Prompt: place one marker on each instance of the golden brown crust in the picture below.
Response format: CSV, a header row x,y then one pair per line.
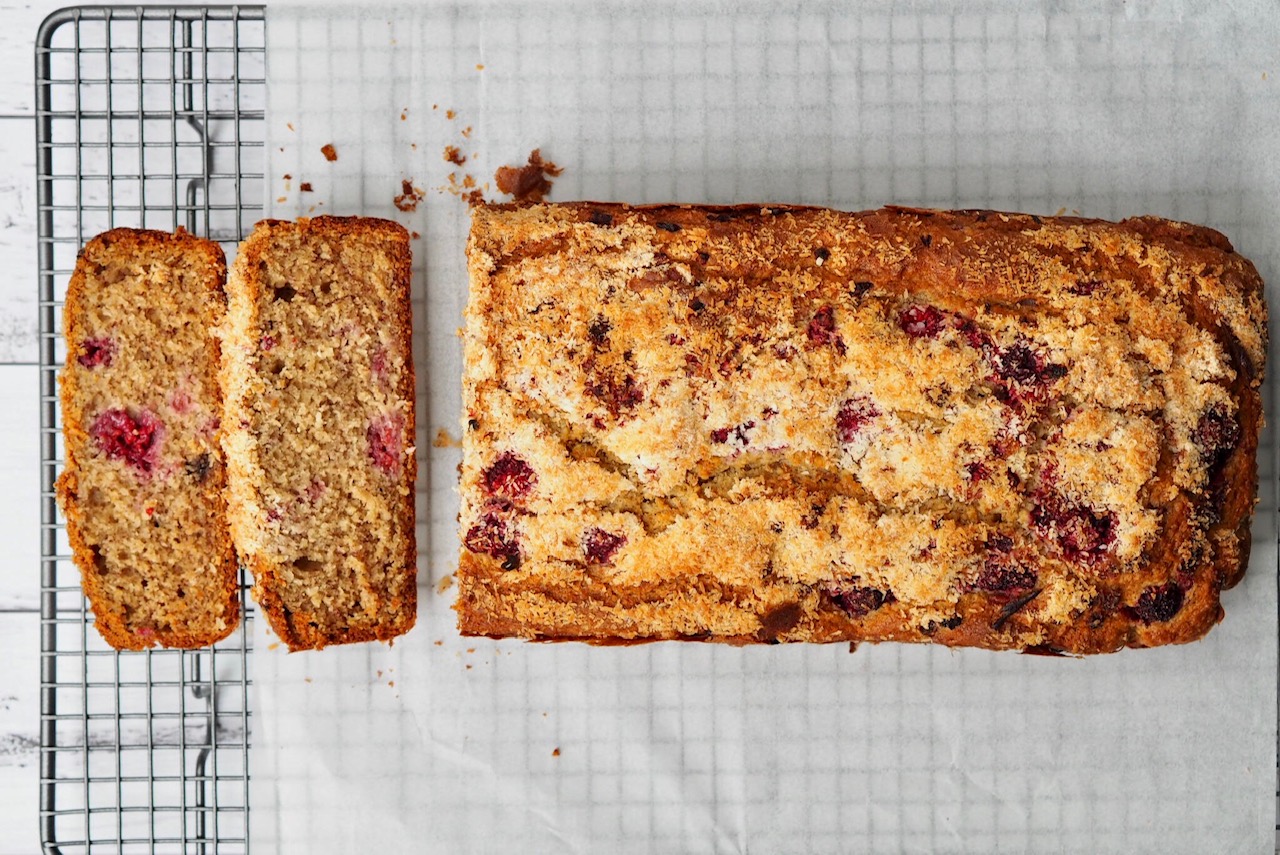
x,y
794,424
336,576
145,588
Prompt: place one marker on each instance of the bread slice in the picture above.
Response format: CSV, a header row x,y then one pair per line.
x,y
143,485
318,379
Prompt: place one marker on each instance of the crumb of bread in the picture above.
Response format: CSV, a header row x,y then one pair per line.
x,y
330,153
528,183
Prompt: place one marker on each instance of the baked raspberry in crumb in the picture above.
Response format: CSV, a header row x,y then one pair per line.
x,y
921,321
859,601
1080,533
96,352
386,442
1159,603
600,546
509,477
854,414
492,536
135,439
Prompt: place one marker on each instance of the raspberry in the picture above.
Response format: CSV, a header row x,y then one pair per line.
x,y
822,330
124,436
1019,363
977,471
854,414
96,351
921,321
492,536
738,433
858,601
386,443
1217,434
509,476
1159,603
600,545
997,575
1081,533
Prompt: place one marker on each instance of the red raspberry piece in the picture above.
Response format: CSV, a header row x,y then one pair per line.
x,y
822,330
1217,434
493,536
600,546
978,471
96,351
386,442
1081,533
738,433
921,321
510,476
1159,603
859,601
999,575
134,439
853,416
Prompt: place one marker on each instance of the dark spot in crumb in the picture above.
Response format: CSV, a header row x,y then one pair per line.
x,y
776,527
600,546
599,330
511,562
473,424
927,240
668,226
1159,603
1014,606
778,620
860,289
821,254
198,467
1084,288
998,575
285,294
1000,542
697,305
600,218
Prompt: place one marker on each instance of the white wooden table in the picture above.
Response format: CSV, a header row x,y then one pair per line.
x,y
19,421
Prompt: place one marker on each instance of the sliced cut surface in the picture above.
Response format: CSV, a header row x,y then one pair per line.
x,y
143,490
319,385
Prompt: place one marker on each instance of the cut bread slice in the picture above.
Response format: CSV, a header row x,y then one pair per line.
x,y
143,486
319,384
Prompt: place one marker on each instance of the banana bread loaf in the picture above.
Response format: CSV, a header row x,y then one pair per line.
x,y
765,424
319,385
142,489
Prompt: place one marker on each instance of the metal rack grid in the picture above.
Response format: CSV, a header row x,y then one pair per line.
x,y
147,117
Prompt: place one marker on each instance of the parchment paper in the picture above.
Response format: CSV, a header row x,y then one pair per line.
x,y
441,744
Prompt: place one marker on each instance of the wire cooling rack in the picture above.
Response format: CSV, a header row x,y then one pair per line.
x,y
146,117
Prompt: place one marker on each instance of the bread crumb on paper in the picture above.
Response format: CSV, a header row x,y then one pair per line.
x,y
330,153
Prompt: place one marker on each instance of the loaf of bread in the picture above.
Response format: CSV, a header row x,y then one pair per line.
x,y
768,424
319,385
143,485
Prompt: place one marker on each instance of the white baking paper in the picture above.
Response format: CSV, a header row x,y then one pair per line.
x,y
444,744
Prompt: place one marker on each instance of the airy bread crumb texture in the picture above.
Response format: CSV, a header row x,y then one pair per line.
x,y
794,424
319,386
143,486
